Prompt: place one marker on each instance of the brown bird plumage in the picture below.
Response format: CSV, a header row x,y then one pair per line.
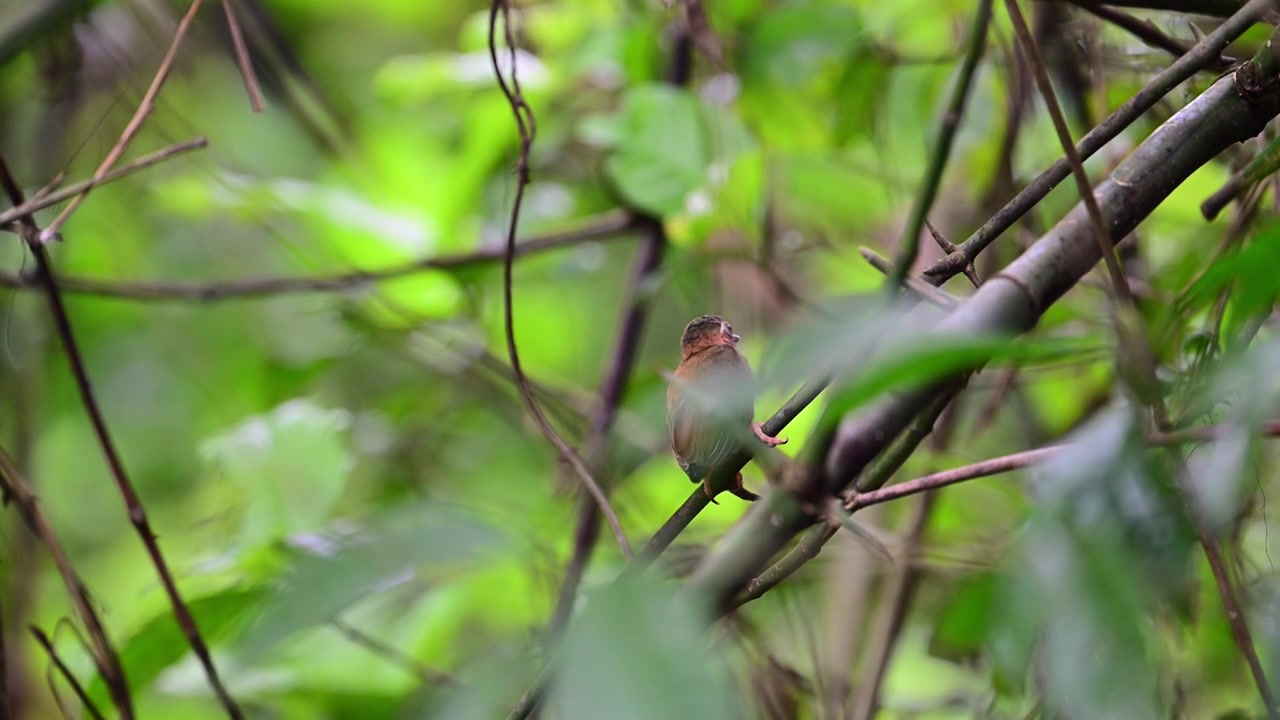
x,y
711,401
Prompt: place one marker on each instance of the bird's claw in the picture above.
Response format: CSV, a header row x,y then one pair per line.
x,y
706,486
767,440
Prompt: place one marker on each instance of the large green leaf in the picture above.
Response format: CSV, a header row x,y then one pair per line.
x,y
291,465
636,653
426,543
663,156
159,643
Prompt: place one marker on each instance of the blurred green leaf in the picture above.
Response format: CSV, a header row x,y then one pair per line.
x,y
915,364
636,652
664,156
291,465
159,643
962,626
1082,583
331,574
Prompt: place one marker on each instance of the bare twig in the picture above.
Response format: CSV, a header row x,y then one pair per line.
x,y
428,675
1016,461
105,659
897,595
1147,32
680,520
949,247
40,201
135,123
1041,75
622,360
921,289
67,675
909,245
1184,67
132,502
242,58
527,127
1134,342
606,227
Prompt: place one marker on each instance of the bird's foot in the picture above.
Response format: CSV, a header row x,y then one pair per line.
x,y
706,485
770,441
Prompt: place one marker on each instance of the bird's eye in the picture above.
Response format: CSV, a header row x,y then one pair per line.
x,y
728,328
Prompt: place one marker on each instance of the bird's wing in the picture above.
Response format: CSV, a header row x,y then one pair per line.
x,y
707,408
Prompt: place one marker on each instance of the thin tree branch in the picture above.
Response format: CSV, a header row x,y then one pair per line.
x,y
1006,304
898,593
608,226
1183,68
132,502
909,245
242,58
67,675
41,201
135,123
922,290
680,520
527,127
818,536
1214,8
1041,75
427,675
1147,32
949,247
622,360
105,659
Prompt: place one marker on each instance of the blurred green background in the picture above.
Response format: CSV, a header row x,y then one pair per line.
x,y
361,515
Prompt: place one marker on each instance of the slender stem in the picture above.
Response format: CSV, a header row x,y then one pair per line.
x,y
1147,32
132,501
1205,52
14,487
40,202
526,124
609,226
944,137
66,673
135,123
647,264
243,61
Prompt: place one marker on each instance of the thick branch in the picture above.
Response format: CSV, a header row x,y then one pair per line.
x,y
1201,55
1008,303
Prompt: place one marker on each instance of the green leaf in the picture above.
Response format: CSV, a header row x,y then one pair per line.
x,y
663,156
291,464
1250,273
159,643
637,653
794,44
917,363
425,542
965,620
1102,547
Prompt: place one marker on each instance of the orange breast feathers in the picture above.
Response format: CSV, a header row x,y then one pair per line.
x,y
709,406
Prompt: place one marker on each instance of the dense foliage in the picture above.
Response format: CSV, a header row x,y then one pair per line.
x,y
297,339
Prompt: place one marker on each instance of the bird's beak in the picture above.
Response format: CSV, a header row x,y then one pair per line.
x,y
735,338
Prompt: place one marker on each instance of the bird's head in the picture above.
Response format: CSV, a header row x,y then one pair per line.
x,y
704,331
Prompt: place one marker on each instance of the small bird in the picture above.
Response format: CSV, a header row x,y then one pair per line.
x,y
711,400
